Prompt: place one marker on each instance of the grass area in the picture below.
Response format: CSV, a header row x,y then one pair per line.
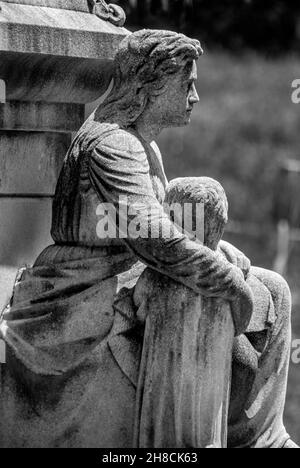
x,y
245,125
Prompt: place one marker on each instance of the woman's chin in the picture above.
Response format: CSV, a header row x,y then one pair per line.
x,y
188,119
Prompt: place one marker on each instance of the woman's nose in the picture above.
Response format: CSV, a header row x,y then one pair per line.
x,y
194,97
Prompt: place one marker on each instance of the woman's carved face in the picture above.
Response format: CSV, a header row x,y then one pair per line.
x,y
174,107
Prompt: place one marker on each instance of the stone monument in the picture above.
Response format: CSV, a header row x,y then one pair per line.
x,y
132,339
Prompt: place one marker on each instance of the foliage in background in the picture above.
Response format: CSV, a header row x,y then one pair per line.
x,y
243,128
272,26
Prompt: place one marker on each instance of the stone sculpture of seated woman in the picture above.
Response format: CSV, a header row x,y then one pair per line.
x,y
76,365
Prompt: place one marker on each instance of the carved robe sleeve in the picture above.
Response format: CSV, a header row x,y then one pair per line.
x,y
119,167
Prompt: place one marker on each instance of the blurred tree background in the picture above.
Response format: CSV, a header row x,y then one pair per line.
x,y
272,26
246,126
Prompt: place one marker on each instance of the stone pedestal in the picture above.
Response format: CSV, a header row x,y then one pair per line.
x,y
55,57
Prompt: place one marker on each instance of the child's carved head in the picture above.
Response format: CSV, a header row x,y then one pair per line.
x,y
209,193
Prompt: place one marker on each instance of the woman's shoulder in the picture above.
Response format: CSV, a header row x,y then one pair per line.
x,y
109,137
121,140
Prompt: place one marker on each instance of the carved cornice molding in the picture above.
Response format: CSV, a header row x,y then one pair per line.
x,y
107,12
57,50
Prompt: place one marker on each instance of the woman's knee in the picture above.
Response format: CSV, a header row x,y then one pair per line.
x,y
279,289
275,283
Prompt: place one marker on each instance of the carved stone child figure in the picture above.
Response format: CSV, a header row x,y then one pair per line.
x,y
185,374
181,371
210,193
193,191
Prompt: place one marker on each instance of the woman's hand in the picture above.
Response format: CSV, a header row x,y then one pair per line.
x,y
235,257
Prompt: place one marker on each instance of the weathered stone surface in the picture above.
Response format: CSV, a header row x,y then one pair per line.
x,y
38,30
30,162
41,117
53,55
52,79
127,341
80,233
64,55
23,231
111,12
76,5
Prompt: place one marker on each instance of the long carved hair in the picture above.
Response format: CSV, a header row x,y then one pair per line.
x,y
143,65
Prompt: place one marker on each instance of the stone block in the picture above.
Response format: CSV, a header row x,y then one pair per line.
x,y
41,117
76,5
40,30
24,229
65,54
30,162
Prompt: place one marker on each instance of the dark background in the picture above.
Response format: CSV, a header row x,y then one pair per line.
x,y
246,127
269,26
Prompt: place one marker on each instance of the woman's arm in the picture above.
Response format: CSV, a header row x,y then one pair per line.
x,y
235,257
119,167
